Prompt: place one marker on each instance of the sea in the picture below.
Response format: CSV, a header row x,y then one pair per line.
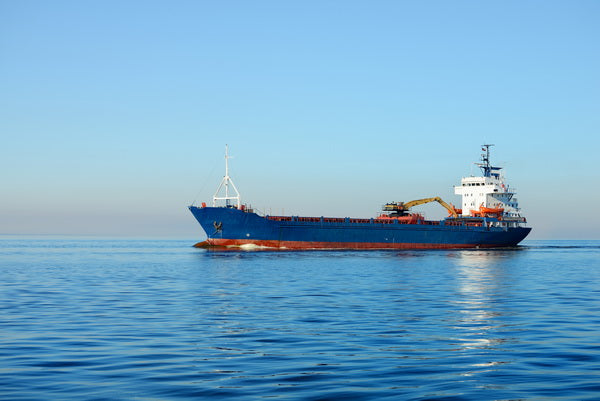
x,y
148,319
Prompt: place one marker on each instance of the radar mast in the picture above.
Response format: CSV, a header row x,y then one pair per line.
x,y
485,161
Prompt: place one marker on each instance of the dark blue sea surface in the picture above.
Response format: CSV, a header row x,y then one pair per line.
x,y
98,319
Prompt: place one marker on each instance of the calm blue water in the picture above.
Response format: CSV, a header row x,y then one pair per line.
x,y
160,320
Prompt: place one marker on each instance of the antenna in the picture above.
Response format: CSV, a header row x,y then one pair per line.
x,y
225,182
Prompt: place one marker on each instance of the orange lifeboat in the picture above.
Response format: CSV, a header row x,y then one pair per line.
x,y
491,210
487,211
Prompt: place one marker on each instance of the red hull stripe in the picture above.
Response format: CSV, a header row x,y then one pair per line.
x,y
228,243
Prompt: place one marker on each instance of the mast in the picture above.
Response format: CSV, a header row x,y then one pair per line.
x,y
226,182
485,158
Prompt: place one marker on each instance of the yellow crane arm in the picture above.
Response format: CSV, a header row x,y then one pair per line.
x,y
408,205
448,207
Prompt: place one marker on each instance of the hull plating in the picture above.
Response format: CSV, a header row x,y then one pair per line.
x,y
232,227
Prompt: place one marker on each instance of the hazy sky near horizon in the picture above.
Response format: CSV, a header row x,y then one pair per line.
x,y
114,115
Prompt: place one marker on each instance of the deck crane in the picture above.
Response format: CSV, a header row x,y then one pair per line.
x,y
401,208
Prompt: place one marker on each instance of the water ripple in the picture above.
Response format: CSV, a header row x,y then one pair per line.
x,y
159,320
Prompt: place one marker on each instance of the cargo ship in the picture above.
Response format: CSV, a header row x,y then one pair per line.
x,y
489,217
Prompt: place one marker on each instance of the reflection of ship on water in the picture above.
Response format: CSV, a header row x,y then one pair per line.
x,y
479,273
483,257
482,284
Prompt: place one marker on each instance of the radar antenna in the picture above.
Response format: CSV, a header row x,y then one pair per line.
x,y
225,182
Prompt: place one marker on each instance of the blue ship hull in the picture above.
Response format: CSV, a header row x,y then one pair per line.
x,y
231,227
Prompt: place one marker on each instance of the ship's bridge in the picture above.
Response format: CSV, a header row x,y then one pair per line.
x,y
488,191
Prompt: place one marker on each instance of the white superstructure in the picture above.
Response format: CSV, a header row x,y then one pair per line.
x,y
489,191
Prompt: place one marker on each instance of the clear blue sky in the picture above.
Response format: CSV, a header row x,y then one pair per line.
x,y
114,114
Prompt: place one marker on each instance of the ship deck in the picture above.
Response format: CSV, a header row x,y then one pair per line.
x,y
460,221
